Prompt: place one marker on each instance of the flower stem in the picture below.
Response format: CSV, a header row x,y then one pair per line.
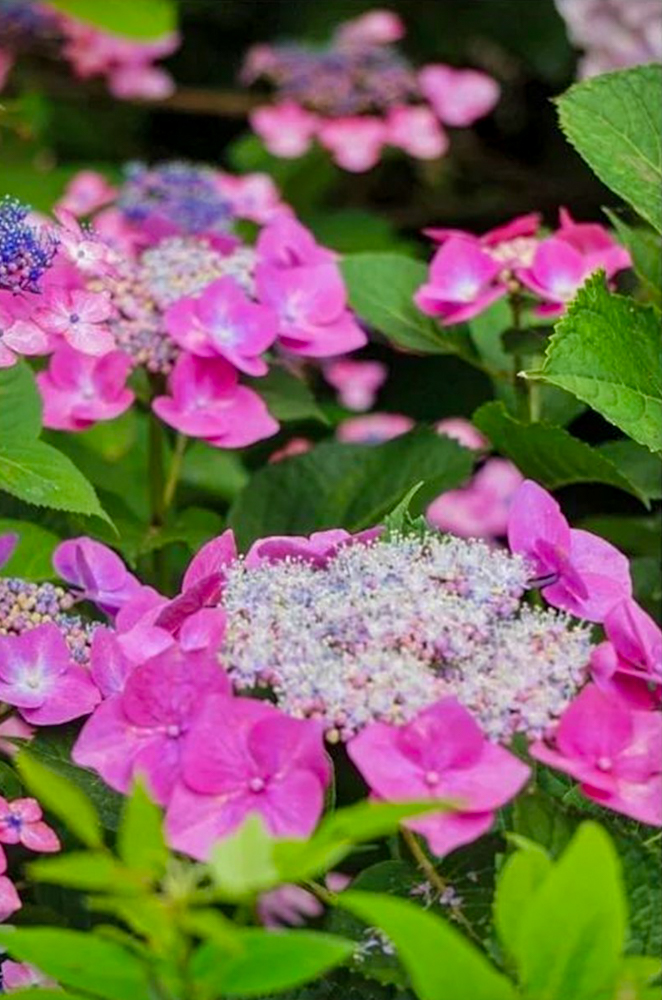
x,y
170,488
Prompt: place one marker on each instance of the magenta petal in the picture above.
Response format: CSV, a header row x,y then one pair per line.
x,y
604,572
8,543
216,758
292,805
73,695
640,801
211,558
446,832
9,898
535,516
38,836
109,666
195,822
108,743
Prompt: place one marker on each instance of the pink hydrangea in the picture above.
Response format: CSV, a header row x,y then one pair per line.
x,y
286,129
612,751
375,27
243,756
373,428
357,382
86,192
459,96
206,401
285,243
80,317
97,572
17,975
577,570
287,906
8,543
223,321
18,336
462,282
356,142
295,446
79,389
629,663
417,131
316,549
109,665
462,431
13,730
142,729
480,509
21,822
443,754
252,196
9,899
39,677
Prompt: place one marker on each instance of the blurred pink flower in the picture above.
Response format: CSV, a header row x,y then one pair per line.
x,y
86,192
612,751
577,571
97,572
12,729
357,382
141,730
80,317
441,753
109,666
480,509
9,899
287,906
286,129
295,446
376,27
21,822
224,321
19,336
520,226
316,549
417,130
7,59
462,431
285,243
77,389
205,401
143,82
373,428
355,143
462,282
252,196
16,975
243,756
458,96
629,664
39,677
8,542
82,248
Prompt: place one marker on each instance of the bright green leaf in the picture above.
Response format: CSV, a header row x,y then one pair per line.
x,y
441,963
519,879
270,962
346,485
607,351
32,558
80,960
287,396
615,122
242,864
62,798
140,839
381,289
572,932
548,454
140,19
40,475
221,473
20,404
88,870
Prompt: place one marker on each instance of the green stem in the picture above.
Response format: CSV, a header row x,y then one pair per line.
x,y
174,472
520,385
156,475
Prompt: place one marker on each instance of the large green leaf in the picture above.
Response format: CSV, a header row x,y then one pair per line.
x,y
242,864
269,963
615,122
646,252
607,351
550,455
287,397
441,963
32,558
141,19
572,932
40,475
342,485
519,879
20,404
140,838
80,960
381,290
637,464
213,470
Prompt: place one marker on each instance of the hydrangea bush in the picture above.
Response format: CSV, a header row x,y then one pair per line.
x,y
302,697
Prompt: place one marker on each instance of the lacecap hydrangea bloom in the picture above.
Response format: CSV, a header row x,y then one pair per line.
x,y
158,279
359,94
614,34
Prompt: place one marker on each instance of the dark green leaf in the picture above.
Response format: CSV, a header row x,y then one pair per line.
x,y
287,397
646,252
221,473
615,122
20,404
40,475
637,464
607,351
350,486
548,454
639,536
61,797
140,19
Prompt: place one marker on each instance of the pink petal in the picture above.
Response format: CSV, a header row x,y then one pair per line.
x,y
446,832
74,694
39,837
213,557
9,899
459,97
604,572
534,517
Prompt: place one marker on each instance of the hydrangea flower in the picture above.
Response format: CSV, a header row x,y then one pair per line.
x,y
462,431
373,428
80,317
577,570
629,664
17,975
480,509
441,753
85,193
21,822
19,336
26,251
612,751
359,94
462,283
613,33
244,756
78,389
8,543
357,382
97,572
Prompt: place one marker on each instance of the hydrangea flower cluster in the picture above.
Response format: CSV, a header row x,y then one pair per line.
x,y
468,272
613,33
163,282
359,94
126,64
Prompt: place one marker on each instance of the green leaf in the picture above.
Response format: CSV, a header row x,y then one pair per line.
x,y
548,454
45,993
615,122
287,397
32,558
637,464
79,960
62,798
637,536
141,19
606,350
381,289
220,473
269,963
441,963
140,839
87,870
520,877
400,522
242,864
646,252
343,485
20,404
40,475
571,936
